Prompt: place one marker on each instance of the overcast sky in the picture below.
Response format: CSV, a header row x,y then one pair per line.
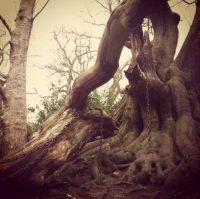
x,y
71,15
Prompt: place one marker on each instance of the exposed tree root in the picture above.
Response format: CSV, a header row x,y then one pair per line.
x,y
153,140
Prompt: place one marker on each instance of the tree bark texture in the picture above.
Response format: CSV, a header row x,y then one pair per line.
x,y
154,138
15,114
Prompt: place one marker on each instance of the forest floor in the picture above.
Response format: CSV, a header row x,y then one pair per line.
x,y
111,188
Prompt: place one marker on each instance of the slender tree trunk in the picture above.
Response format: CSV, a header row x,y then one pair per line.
x,y
15,115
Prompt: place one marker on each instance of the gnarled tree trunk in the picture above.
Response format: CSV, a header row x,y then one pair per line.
x,y
156,138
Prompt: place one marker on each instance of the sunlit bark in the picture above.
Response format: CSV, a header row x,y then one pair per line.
x,y
15,113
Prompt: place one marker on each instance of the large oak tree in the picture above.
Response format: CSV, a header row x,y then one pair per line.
x,y
153,136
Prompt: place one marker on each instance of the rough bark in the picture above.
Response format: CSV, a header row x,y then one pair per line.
x,y
15,121
156,140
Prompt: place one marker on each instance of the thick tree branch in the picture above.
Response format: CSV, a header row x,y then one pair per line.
x,y
115,35
143,121
41,9
4,22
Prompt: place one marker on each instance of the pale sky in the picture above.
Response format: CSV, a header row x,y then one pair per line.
x,y
70,14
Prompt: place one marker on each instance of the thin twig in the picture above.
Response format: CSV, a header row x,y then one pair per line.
x,y
110,6
70,64
41,9
82,35
102,5
6,44
2,52
92,20
189,3
176,4
4,22
94,23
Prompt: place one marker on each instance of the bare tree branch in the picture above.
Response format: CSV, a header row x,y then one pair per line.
x,y
41,9
107,7
110,6
189,3
2,52
82,35
93,23
65,54
92,20
71,63
4,22
103,6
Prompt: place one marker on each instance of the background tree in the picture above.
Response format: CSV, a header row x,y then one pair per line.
x,y
74,56
14,94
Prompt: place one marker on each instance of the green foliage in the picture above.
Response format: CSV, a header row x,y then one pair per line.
x,y
72,59
54,101
104,101
50,104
